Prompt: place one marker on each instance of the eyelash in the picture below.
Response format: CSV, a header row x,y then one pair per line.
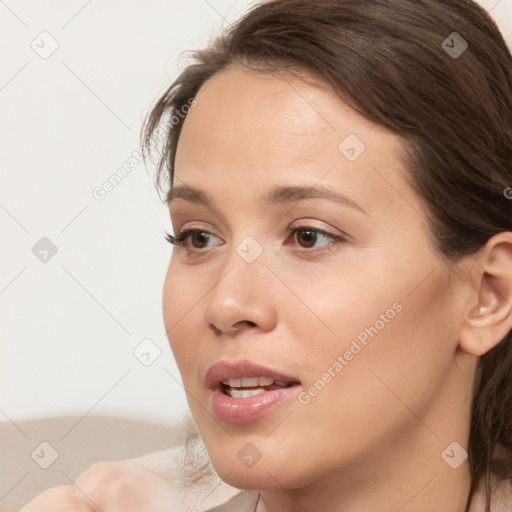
x,y
182,238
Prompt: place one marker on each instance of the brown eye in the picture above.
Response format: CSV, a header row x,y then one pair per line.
x,y
307,238
199,239
191,239
313,241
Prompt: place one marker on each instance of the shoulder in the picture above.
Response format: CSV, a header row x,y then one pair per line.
x,y
501,496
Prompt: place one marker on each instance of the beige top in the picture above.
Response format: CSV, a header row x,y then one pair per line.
x,y
501,497
243,501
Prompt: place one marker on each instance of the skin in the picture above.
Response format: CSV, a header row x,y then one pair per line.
x,y
372,438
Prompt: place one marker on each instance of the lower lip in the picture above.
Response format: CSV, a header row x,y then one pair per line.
x,y
243,410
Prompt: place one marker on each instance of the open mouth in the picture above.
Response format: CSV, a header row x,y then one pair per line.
x,y
244,391
244,387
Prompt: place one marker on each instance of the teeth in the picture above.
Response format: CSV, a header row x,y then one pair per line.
x,y
243,387
248,382
238,393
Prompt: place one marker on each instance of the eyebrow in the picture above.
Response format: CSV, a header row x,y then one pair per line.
x,y
278,195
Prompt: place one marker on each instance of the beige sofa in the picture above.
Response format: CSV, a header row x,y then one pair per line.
x,y
41,453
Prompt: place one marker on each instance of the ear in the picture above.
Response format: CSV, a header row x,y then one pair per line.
x,y
488,321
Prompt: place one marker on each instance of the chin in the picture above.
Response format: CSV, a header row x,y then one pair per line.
x,y
265,474
256,480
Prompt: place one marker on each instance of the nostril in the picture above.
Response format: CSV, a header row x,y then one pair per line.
x,y
237,326
215,330
245,322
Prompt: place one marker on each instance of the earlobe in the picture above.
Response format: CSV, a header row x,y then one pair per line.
x,y
489,320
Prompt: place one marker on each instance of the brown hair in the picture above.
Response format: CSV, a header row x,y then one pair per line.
x,y
391,61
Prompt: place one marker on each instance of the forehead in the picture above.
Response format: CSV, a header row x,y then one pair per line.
x,y
250,128
299,118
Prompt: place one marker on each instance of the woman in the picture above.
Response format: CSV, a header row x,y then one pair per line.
x,y
339,299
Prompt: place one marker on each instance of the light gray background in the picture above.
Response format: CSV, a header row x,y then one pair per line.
x,y
69,326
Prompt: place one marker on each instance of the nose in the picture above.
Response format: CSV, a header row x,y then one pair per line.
x,y
241,298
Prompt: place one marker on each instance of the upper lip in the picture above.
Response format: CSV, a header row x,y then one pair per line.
x,y
224,370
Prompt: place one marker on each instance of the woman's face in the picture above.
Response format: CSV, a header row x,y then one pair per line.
x,y
354,314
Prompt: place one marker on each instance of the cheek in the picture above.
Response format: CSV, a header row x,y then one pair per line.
x,y
334,309
396,348
180,302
